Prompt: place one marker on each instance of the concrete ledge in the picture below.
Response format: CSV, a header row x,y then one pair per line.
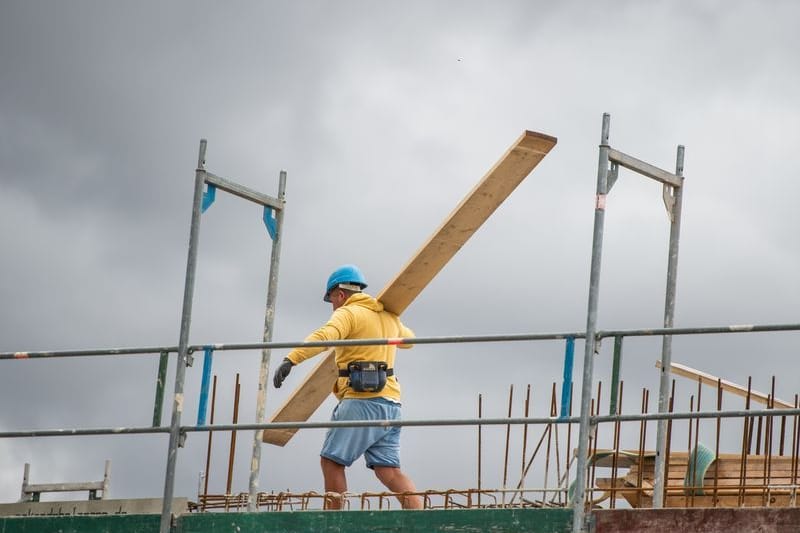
x,y
697,520
139,506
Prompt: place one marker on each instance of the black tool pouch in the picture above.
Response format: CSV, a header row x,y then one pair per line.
x,y
367,376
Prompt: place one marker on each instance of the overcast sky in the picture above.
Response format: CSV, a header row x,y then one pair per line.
x,y
384,115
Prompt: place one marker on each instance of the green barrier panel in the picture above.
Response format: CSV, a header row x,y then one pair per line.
x,y
81,524
451,521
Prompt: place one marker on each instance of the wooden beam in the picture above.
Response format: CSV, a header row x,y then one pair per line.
x,y
466,218
520,159
739,390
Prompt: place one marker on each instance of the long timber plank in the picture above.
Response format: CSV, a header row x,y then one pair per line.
x,y
728,386
478,205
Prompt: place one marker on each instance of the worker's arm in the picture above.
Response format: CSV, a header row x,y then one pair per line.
x,y
406,333
337,328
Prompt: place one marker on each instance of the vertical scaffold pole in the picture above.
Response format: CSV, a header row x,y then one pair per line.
x,y
579,510
673,203
269,320
183,343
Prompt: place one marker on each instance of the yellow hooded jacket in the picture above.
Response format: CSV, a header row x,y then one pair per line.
x,y
361,317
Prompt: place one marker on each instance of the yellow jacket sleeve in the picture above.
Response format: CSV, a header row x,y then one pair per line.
x,y
406,333
337,328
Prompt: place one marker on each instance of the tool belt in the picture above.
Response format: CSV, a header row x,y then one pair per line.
x,y
366,376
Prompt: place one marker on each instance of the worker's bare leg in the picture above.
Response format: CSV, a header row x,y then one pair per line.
x,y
396,481
335,481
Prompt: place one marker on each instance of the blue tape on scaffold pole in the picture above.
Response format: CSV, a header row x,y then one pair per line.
x,y
208,197
269,222
208,359
566,385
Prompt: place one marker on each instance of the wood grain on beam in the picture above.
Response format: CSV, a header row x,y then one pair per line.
x,y
713,381
520,159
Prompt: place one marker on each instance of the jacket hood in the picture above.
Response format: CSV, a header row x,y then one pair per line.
x,y
363,299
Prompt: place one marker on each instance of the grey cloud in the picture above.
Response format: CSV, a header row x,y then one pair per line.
x,y
384,117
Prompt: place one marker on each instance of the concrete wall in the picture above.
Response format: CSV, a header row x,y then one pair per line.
x,y
748,520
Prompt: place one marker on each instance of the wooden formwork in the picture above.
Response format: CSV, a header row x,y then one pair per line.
x,y
729,480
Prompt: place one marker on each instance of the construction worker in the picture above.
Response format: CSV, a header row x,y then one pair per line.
x,y
367,388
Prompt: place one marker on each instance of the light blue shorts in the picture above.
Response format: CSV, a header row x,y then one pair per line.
x,y
380,446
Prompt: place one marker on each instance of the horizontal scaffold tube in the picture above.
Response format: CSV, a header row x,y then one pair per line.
x,y
404,423
455,339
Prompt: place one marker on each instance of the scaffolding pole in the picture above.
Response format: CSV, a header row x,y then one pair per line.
x,y
579,510
269,320
183,342
607,173
673,199
203,201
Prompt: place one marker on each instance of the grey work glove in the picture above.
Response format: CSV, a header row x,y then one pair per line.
x,y
281,372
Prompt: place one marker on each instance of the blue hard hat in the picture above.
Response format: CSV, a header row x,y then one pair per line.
x,y
347,274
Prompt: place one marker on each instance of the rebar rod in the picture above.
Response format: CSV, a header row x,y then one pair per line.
x,y
210,434
553,412
525,433
689,443
795,442
508,438
668,449
640,470
480,442
595,429
615,457
558,453
232,453
696,456
569,437
746,432
768,442
533,456
716,440
783,436
751,420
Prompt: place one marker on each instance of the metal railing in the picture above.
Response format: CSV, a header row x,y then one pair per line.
x,y
609,162
583,461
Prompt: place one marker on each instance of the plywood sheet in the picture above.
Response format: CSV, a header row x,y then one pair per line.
x,y
518,161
